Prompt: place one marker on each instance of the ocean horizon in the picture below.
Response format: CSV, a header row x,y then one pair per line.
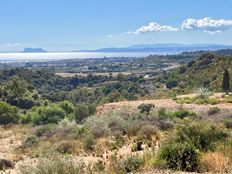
x,y
51,56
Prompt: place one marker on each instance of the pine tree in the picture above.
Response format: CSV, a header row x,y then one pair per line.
x,y
226,81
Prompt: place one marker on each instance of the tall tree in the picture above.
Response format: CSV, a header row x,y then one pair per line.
x,y
226,81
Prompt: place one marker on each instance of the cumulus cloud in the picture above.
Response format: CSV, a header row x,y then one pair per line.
x,y
154,27
207,25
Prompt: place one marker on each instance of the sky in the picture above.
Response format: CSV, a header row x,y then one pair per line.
x,y
66,25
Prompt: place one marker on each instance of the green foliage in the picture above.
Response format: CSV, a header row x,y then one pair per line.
x,y
89,142
8,114
226,81
44,130
30,141
182,113
83,111
214,110
145,108
182,149
228,123
171,84
132,164
181,156
44,115
67,106
201,135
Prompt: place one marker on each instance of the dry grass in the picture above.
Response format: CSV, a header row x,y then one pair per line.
x,y
215,162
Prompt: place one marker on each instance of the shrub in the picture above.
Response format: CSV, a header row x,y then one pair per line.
x,y
66,106
182,113
215,162
163,114
171,84
132,127
202,136
51,115
214,110
81,112
65,147
99,166
146,108
97,126
44,130
180,156
8,114
228,123
132,164
89,142
203,93
30,141
45,115
147,131
116,124
56,164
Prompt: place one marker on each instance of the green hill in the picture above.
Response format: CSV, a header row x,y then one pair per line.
x,y
206,71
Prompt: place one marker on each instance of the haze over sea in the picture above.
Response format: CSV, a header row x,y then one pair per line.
x,y
25,57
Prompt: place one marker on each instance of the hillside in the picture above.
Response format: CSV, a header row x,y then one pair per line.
x,y
206,71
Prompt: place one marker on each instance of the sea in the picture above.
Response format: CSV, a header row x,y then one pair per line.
x,y
51,56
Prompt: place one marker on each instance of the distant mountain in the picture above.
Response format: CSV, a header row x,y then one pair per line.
x,y
163,48
34,50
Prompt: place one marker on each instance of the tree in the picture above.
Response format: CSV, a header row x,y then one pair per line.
x,y
226,81
81,112
8,114
171,84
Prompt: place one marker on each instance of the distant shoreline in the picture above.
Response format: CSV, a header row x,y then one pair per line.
x,y
51,56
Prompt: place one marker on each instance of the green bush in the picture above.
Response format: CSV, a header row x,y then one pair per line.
x,y
228,123
182,148
132,164
44,130
8,114
67,106
30,141
89,142
180,156
83,111
145,108
44,115
164,114
201,135
214,110
182,113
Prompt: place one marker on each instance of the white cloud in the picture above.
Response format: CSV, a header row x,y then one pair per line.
x,y
109,36
153,27
12,45
207,24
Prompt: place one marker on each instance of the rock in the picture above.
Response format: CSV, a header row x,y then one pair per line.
x,y
6,164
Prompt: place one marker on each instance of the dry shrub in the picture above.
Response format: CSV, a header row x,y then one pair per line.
x,y
147,131
215,161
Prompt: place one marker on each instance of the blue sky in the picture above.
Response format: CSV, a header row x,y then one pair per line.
x,y
62,25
